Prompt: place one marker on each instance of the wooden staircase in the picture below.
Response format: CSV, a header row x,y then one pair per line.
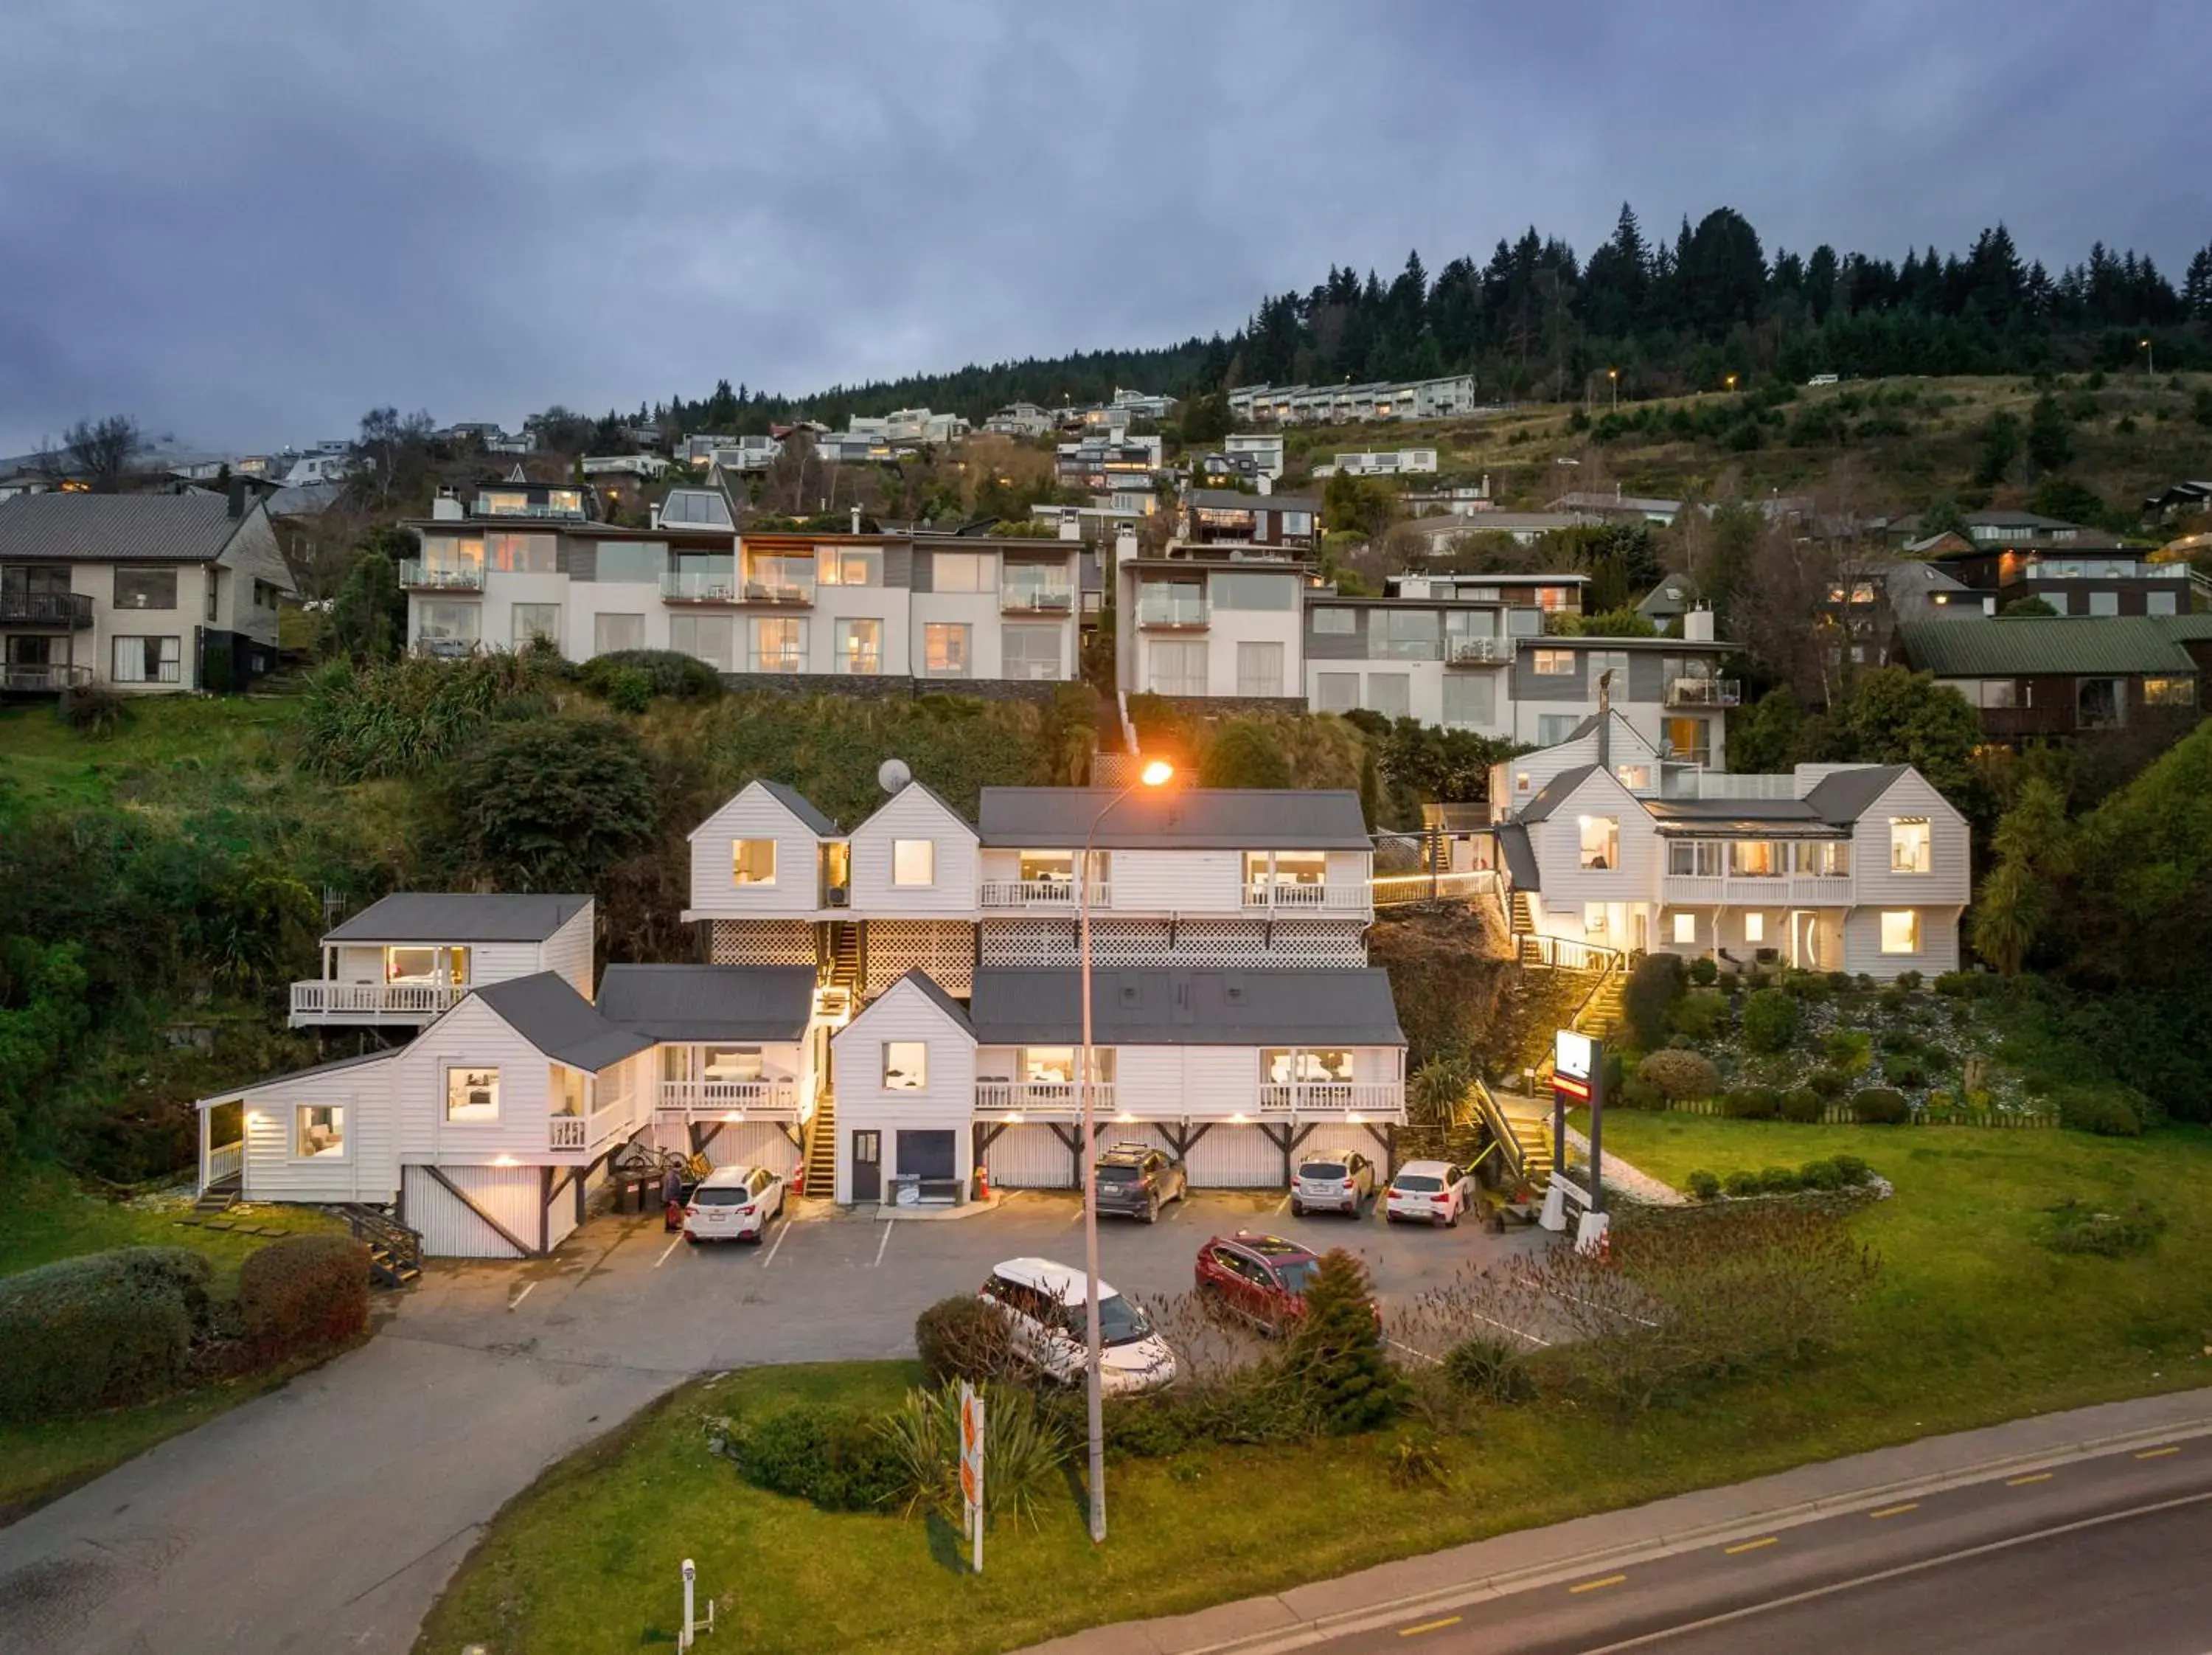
x,y
395,1252
1520,926
845,956
220,1196
1522,1128
821,1147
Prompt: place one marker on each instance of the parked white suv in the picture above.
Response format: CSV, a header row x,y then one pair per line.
x,y
1044,1304
733,1203
1435,1191
1332,1183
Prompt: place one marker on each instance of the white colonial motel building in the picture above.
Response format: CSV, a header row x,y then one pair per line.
x,y
887,1008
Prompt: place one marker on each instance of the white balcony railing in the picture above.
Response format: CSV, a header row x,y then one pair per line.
x,y
1268,896
321,997
1334,1096
567,1132
1703,692
1041,1097
1478,651
730,1097
441,577
1735,890
700,586
225,1161
1393,890
1056,894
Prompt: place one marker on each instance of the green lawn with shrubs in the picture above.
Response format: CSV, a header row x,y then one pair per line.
x,y
2001,1289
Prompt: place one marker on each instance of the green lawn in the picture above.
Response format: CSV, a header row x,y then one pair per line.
x,y
46,761
1972,1322
43,1217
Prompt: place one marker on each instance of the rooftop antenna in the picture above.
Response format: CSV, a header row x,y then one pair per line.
x,y
892,775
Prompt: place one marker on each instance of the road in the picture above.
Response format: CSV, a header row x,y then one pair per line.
x,y
2105,1553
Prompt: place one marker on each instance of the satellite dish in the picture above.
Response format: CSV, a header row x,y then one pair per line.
x,y
892,775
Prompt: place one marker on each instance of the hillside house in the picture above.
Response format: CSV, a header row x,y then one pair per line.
x,y
406,960
2035,678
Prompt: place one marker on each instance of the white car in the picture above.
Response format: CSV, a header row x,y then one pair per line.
x,y
1332,1183
733,1203
1043,1305
1435,1191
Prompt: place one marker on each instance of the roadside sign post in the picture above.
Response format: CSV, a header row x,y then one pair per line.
x,y
971,1469
1578,1074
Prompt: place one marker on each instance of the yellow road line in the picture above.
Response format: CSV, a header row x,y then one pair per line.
x,y
1750,1545
1592,1586
1897,1511
1429,1626
2158,1453
2032,1476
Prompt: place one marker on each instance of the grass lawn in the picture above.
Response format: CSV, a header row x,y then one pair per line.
x,y
48,762
43,1217
1972,1322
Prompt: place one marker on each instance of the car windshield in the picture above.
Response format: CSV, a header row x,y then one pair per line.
x,y
1323,1169
1296,1275
1120,1173
1420,1180
719,1194
1121,1321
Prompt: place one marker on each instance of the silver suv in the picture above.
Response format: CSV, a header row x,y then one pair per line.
x,y
1138,1180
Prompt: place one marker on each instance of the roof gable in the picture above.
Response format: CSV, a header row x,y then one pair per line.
x,y
919,983
786,798
1557,793
460,916
913,797
544,1010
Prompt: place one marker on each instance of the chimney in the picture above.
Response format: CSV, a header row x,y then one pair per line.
x,y
1071,525
1697,625
1605,720
653,515
237,499
446,505
856,519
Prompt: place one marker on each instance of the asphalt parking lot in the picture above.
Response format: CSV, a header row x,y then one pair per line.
x,y
826,1285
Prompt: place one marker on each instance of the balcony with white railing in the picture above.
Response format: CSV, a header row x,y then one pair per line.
x,y
321,1000
767,1099
1333,1097
1050,896
1703,692
1396,890
567,1132
1270,897
578,1132
421,577
1478,652
1041,1097
1753,891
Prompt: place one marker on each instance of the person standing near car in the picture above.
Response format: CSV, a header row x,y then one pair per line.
x,y
672,1199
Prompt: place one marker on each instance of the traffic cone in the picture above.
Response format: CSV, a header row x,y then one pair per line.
x,y
982,1184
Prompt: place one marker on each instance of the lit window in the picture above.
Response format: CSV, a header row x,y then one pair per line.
x,y
1551,663
859,646
1999,692
1600,842
319,1131
848,566
2169,692
1900,931
471,1095
1594,920
1911,850
566,1091
753,861
913,861
960,571
1754,928
906,1065
1686,930
944,649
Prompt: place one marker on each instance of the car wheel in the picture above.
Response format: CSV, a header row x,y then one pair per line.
x,y
1153,1210
690,1240
1297,1210
1452,1221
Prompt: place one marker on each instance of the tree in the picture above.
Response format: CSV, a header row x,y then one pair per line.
x,y
2001,446
103,453
2069,501
1768,735
2008,914
1943,516
1894,716
368,617
2028,608
1205,419
548,804
1244,755
1336,1349
391,455
2049,434
1357,505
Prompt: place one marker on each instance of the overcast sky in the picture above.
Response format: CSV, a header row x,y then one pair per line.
x,y
245,223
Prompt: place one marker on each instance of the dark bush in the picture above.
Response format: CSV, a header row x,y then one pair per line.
x,y
1653,988
1770,1020
95,711
1336,1350
1902,1041
1680,1076
1703,1185
1637,1092
2107,1111
1821,1175
1853,1171
1808,985
1892,1000
1909,980
302,1294
629,691
963,1338
1828,1084
1742,1183
1840,981
1803,1105
667,672
1704,972
1962,985
1147,1427
1491,1370
1907,1072
1699,1016
1752,1104
838,1457
99,1330
1779,1181
1879,1106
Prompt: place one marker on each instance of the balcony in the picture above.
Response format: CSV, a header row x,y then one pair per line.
x,y
1334,1098
72,609
1703,692
1055,896
419,576
321,1000
1270,897
1023,598
1396,890
1041,1097
40,679
1478,652
1750,890
579,1132
722,1099
1173,614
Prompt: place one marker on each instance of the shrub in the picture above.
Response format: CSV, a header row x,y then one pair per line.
x,y
668,674
1908,1074
547,804
1419,1463
1704,972
1821,1175
1680,1076
629,691
1803,1105
303,1294
2107,1111
1850,1050
1806,985
1892,1000
1701,1185
838,1457
95,711
1637,1092
1828,1084
1770,1020
1840,981
1653,989
1853,1171
98,1330
1879,1106
1909,980
1490,1370
1960,985
963,1338
1700,1015
1336,1350
1779,1181
1752,1104
2075,1226
1742,1183
1903,1042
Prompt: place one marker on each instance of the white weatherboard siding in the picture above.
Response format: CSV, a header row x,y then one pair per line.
x,y
567,951
754,813
915,813
1939,943
1169,1082
747,1143
905,1012
1515,782
453,1228
470,1035
367,1169
1568,887
1177,881
1938,895
1030,1157
1234,1157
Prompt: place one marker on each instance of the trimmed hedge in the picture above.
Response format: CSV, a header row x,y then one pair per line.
x,y
99,1330
1803,1105
1680,1076
1881,1106
1752,1104
1770,1020
302,1294
963,1338
838,1457
2107,1111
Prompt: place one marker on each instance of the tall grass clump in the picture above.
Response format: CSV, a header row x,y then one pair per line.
x,y
400,718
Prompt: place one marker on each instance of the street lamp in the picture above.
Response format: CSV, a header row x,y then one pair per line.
x,y
1613,377
1731,382
1157,774
2150,358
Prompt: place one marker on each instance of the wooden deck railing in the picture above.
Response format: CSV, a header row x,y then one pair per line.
x,y
323,998
1334,1096
730,1097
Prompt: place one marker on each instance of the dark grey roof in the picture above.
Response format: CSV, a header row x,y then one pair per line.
x,y
1553,793
1194,818
337,1063
801,806
459,916
944,1001
118,529
1848,794
1520,857
1170,1007
2057,646
709,1002
560,1022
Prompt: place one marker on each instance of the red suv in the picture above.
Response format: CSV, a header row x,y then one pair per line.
x,y
1261,1278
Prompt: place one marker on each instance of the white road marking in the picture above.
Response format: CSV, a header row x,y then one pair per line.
x,y
1077,1218
884,1246
1281,1204
519,1296
670,1248
1433,1361
782,1229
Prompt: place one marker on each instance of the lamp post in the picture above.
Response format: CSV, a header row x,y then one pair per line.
x,y
1613,378
1731,384
1154,775
2150,358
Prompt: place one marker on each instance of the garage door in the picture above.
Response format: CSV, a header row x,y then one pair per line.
x,y
927,1155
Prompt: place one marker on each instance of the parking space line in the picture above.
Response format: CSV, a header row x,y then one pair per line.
x,y
1433,1361
1749,1545
670,1248
1279,1205
2032,1476
782,1231
519,1296
1896,1511
884,1245
1429,1626
2158,1453
1593,1585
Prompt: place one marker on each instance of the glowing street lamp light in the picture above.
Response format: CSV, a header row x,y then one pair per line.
x,y
1613,377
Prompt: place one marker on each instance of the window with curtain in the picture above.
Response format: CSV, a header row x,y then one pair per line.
x,y
520,554
1405,635
709,637
1335,623
753,861
1470,699
1336,692
531,622
945,652
145,589
1241,591
1390,694
613,632
849,565
1259,669
148,661
960,571
859,646
1177,666
1029,651
778,645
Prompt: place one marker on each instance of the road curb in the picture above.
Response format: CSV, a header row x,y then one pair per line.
x,y
1307,1631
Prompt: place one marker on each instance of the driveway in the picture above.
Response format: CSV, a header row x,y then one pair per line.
x,y
330,1514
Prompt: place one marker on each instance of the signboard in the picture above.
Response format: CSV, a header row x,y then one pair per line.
x,y
971,1467
1573,1055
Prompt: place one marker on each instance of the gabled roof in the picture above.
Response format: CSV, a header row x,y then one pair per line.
x,y
800,806
1672,596
926,792
1555,793
2057,646
360,1061
709,1002
1194,818
1519,857
1848,794
459,916
118,528
927,986
560,1022
1153,1006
